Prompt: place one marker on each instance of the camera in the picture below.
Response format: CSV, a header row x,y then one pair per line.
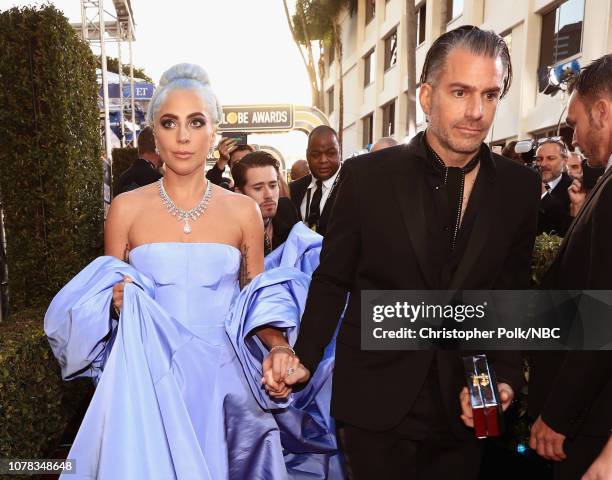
x,y
527,150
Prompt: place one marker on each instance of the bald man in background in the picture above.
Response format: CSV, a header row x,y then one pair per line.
x,y
299,169
384,142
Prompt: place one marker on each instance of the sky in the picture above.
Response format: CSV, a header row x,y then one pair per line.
x,y
245,45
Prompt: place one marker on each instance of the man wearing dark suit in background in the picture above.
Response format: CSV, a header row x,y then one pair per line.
x,y
570,393
314,194
554,216
145,169
454,216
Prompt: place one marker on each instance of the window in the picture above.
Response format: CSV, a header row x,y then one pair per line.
x,y
391,50
369,70
330,101
454,8
421,15
370,10
368,130
388,112
561,33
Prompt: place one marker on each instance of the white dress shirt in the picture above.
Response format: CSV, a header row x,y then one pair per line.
x,y
312,188
552,186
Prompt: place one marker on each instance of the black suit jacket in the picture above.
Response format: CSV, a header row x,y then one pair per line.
x,y
284,220
297,190
554,216
573,391
376,239
139,174
215,174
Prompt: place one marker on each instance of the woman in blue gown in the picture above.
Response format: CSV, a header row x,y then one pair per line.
x,y
179,379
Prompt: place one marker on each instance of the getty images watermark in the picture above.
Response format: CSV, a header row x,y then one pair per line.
x,y
491,320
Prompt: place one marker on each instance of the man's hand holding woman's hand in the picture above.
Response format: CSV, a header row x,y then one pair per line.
x,y
281,370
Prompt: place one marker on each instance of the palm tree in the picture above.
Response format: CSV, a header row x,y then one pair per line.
x,y
305,29
318,21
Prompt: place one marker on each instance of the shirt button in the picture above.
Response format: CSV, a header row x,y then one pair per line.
x,y
446,228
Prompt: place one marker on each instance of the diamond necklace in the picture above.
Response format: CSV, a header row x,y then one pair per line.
x,y
185,215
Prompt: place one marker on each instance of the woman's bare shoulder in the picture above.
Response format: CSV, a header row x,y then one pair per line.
x,y
132,202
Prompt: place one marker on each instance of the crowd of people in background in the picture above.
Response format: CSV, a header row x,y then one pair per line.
x,y
442,212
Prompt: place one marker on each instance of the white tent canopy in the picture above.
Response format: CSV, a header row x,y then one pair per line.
x,y
114,78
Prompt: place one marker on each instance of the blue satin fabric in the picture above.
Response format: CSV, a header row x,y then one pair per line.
x,y
179,393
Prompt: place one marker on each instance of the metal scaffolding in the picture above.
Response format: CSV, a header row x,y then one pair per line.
x,y
96,29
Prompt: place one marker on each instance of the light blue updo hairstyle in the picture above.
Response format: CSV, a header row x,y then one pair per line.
x,y
185,76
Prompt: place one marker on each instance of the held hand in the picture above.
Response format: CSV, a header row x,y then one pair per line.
x,y
506,395
225,147
577,197
279,364
301,375
118,293
547,442
601,469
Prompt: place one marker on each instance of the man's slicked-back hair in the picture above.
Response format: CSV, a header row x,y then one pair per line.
x,y
485,43
322,129
595,80
255,159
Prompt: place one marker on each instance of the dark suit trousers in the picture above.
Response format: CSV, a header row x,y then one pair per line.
x,y
421,447
581,451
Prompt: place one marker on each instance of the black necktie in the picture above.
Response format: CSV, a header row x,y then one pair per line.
x,y
547,187
314,214
267,242
454,183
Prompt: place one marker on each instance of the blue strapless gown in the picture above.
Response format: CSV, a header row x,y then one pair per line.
x,y
179,393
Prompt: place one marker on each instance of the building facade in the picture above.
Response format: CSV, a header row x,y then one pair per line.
x,y
541,34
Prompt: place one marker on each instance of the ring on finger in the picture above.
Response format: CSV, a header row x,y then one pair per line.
x,y
290,371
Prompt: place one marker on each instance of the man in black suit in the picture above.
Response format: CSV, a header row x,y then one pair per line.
x,y
145,169
551,158
570,394
314,194
256,175
455,216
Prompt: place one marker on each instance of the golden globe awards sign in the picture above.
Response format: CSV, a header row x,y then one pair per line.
x,y
256,118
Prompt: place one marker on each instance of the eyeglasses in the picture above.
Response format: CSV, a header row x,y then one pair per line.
x,y
559,140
